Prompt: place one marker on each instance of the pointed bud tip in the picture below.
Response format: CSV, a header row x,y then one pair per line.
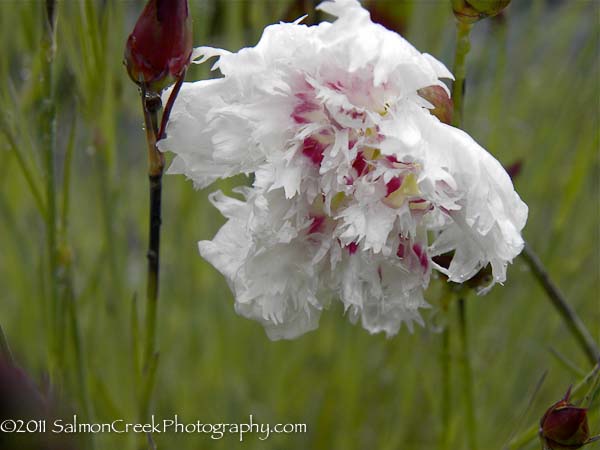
x,y
564,425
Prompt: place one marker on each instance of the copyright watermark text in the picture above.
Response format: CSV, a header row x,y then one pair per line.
x,y
155,425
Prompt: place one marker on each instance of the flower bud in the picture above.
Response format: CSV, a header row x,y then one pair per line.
x,y
439,98
159,48
564,426
471,11
514,170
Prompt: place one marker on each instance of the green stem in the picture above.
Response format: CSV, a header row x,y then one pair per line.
x,y
151,105
66,184
5,348
135,335
66,277
26,170
468,397
77,342
463,45
104,180
49,148
445,371
446,388
566,311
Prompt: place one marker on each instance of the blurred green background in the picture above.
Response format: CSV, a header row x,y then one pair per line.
x,y
532,95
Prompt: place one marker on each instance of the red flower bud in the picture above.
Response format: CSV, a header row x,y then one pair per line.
x,y
439,98
514,170
471,11
159,48
564,426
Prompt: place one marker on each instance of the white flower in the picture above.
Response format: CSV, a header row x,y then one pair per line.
x,y
356,185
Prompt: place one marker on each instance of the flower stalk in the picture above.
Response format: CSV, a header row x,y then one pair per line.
x,y
28,173
566,311
5,352
157,54
151,104
467,378
446,380
49,149
463,45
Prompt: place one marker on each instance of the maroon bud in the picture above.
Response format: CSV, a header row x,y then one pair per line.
x,y
514,170
439,98
471,11
564,426
159,49
22,401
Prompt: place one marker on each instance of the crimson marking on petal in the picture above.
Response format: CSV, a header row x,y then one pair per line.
x,y
317,225
306,107
357,115
299,119
337,86
393,185
352,247
360,164
391,158
422,255
313,149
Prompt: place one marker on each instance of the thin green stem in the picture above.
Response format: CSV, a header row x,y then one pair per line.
x,y
66,279
467,377
78,348
49,148
446,374
446,389
566,311
104,180
28,174
135,335
151,106
66,184
4,347
567,363
463,45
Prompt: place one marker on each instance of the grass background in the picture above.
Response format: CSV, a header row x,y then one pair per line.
x,y
532,94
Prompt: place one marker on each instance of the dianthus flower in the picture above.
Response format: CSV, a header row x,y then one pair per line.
x,y
357,187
